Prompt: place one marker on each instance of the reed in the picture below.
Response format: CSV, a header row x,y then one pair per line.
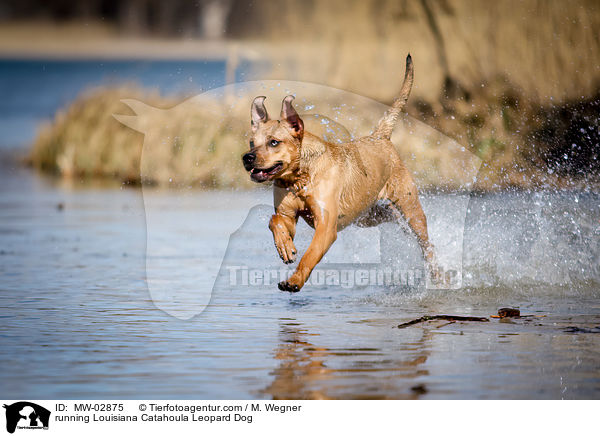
x,y
85,140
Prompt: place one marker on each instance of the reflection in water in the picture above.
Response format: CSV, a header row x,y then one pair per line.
x,y
307,371
301,367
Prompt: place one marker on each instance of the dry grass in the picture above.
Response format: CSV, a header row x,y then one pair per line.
x,y
179,146
85,140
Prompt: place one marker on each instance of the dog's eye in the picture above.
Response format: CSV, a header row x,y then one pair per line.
x,y
251,144
274,143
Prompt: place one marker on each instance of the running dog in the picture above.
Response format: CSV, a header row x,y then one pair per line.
x,y
331,185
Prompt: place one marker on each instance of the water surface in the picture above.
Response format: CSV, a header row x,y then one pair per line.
x,y
78,321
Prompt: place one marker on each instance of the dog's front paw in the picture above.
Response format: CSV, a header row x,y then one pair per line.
x,y
288,287
285,247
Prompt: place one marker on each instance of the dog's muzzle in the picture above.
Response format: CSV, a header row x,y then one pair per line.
x,y
260,174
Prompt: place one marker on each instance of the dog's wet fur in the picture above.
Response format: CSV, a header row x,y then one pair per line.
x,y
331,185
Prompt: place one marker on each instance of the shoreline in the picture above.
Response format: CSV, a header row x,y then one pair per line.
x,y
97,40
130,49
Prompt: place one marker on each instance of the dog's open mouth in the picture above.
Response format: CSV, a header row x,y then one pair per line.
x,y
264,174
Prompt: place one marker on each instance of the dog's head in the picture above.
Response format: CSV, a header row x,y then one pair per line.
x,y
274,144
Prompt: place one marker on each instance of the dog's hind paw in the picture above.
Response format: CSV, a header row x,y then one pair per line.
x,y
285,286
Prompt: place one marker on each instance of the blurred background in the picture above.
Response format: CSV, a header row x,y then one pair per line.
x,y
516,82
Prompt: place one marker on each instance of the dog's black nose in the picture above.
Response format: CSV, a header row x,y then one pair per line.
x,y
249,158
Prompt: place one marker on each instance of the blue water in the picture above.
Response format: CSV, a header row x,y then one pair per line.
x,y
33,90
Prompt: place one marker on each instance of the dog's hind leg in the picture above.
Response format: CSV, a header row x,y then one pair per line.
x,y
402,193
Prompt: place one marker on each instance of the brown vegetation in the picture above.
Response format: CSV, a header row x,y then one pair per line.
x,y
503,140
513,82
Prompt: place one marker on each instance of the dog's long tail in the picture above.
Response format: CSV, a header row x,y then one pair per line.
x,y
386,124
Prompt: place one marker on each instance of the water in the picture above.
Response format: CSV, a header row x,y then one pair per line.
x,y
78,321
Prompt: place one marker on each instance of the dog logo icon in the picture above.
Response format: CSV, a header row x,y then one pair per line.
x,y
26,415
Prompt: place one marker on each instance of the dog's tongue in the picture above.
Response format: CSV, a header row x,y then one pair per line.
x,y
259,176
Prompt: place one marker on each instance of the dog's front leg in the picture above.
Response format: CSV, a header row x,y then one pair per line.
x,y
284,228
325,222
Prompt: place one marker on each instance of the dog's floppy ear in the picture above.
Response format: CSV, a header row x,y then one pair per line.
x,y
289,114
258,112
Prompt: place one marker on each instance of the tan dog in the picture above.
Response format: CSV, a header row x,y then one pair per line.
x,y
331,185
